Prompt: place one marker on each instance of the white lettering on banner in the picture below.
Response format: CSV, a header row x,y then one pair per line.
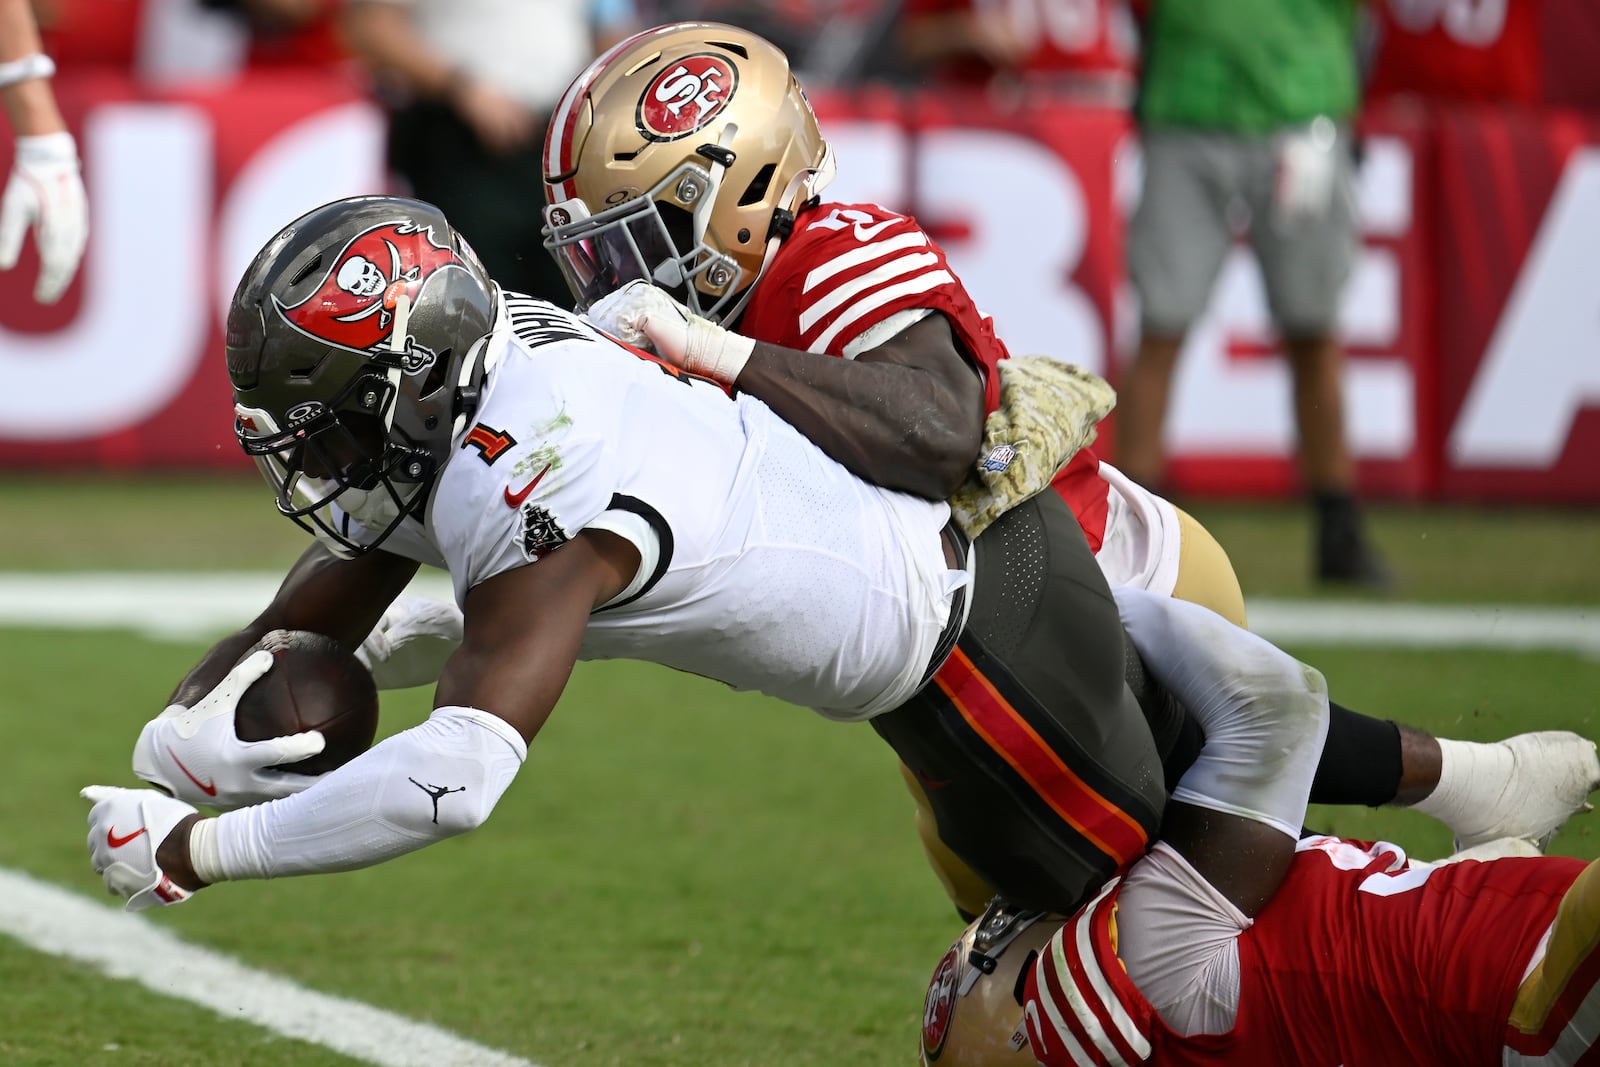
x,y
1024,245
137,337
1542,364
331,154
1469,22
1025,241
1069,25
1244,407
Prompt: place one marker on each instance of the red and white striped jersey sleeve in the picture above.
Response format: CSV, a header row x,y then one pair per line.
x,y
1080,1007
849,268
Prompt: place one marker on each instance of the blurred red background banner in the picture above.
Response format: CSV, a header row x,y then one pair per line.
x,y
1519,325
1473,323
184,187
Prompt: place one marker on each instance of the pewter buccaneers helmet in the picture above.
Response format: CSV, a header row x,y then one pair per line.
x,y
355,343
681,156
972,1016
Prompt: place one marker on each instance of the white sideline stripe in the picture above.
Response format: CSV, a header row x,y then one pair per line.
x,y
191,606
1498,626
164,606
60,923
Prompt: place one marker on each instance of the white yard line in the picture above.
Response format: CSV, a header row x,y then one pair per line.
x,y
194,606
1498,626
60,923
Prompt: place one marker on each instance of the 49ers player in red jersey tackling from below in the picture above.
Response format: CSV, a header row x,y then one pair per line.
x,y
1360,956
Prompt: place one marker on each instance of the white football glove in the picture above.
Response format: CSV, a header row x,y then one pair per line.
x,y
46,191
126,826
411,642
643,315
194,754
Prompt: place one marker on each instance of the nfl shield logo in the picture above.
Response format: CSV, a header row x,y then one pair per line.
x,y
998,459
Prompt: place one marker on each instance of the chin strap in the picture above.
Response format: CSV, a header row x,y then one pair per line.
x,y
809,182
474,367
397,345
402,321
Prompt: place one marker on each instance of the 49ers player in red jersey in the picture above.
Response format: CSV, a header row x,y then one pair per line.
x,y
1314,953
688,157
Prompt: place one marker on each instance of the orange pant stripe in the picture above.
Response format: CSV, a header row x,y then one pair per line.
x,y
1003,729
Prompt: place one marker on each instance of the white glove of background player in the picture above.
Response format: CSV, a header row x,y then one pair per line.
x,y
643,315
46,191
194,754
126,826
411,642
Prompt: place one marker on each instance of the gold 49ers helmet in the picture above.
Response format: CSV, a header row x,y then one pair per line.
x,y
972,1016
680,156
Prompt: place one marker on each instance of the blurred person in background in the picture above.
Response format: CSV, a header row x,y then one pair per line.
x,y
1456,50
1246,104
789,24
832,42
469,86
287,33
1079,51
45,190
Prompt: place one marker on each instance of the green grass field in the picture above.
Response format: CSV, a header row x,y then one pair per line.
x,y
680,876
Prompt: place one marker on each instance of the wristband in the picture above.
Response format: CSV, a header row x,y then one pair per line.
x,y
714,352
205,855
38,65
45,149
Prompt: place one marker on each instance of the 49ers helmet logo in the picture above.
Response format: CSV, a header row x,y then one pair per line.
x,y
686,96
940,1004
354,305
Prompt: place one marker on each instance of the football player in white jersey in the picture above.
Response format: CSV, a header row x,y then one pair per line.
x,y
588,501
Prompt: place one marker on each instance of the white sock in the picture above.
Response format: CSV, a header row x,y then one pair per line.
x,y
1525,786
1472,775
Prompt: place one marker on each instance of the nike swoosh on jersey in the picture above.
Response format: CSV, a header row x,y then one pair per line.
x,y
208,788
514,500
117,842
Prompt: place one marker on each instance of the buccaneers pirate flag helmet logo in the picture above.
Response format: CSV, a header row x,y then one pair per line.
x,y
354,306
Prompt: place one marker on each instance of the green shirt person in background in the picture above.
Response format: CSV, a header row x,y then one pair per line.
x,y
1247,104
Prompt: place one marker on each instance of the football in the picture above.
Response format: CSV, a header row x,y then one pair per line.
x,y
313,685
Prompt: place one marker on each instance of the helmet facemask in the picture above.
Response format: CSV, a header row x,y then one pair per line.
x,y
660,237
347,453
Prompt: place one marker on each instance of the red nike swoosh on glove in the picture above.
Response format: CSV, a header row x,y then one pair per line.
x,y
514,500
117,842
208,788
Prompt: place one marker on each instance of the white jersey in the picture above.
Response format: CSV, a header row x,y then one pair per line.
x,y
765,564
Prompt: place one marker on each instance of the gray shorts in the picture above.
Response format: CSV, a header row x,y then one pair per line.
x,y
1195,185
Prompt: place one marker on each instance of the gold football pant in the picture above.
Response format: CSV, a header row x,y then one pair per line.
x,y
1557,1002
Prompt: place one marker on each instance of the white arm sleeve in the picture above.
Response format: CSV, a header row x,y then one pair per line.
x,y
440,778
1264,713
